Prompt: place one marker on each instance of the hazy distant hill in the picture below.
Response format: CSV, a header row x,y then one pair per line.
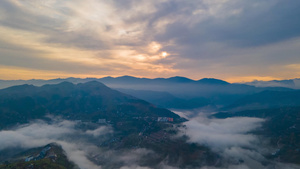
x,y
203,92
91,100
167,100
190,93
267,99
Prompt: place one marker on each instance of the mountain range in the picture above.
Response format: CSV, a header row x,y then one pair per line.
x,y
175,92
133,109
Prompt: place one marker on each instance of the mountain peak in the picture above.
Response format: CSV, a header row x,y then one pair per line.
x,y
64,84
179,79
213,81
93,84
127,77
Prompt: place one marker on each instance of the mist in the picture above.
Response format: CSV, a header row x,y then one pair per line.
x,y
81,146
233,139
40,133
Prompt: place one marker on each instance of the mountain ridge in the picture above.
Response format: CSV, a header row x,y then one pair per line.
x,y
91,101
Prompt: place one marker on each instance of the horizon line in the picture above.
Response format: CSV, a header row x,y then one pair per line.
x,y
46,79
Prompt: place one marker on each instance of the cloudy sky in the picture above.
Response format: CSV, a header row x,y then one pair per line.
x,y
234,40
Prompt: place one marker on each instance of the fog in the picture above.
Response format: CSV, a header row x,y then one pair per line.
x,y
223,133
77,144
40,133
233,139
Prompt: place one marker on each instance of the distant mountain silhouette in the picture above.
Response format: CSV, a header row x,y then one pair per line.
x,y
212,81
179,79
267,99
166,100
190,93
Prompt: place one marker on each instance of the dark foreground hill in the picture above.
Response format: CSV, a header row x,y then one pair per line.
x,y
49,157
85,101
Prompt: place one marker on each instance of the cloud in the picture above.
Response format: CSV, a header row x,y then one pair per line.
x,y
232,22
132,156
231,138
107,37
99,131
35,134
134,167
223,133
81,146
78,154
39,133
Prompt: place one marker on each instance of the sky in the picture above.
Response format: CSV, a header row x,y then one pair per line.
x,y
233,40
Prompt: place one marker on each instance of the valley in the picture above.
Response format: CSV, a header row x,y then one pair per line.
x,y
105,126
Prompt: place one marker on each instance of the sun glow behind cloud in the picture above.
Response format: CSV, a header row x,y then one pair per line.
x,y
86,22
145,39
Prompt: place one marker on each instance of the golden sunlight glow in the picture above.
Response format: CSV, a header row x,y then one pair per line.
x,y
164,54
121,56
98,38
250,78
13,73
